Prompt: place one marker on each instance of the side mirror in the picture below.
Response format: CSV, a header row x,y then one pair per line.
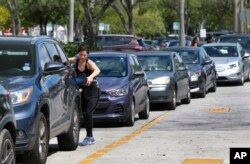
x,y
182,68
209,61
53,66
138,74
246,55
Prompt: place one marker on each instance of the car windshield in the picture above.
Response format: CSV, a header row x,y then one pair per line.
x,y
189,56
221,51
111,66
155,63
16,60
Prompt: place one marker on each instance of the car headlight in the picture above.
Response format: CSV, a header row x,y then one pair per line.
x,y
21,96
161,81
196,73
234,65
119,92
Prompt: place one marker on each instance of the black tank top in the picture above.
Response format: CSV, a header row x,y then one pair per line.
x,y
86,70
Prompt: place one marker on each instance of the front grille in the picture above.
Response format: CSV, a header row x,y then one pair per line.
x,y
222,78
102,106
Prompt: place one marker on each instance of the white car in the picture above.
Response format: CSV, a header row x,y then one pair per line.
x,y
231,61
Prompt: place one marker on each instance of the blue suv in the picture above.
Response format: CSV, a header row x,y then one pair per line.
x,y
45,98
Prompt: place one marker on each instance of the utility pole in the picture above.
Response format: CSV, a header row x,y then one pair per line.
x,y
71,20
182,24
236,15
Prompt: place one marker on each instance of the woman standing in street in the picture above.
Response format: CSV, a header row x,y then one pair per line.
x,y
90,90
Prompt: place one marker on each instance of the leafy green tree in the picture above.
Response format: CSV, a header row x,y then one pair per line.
x,y
149,24
44,11
5,17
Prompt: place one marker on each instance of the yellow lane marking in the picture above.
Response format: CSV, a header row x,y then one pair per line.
x,y
220,110
203,161
92,157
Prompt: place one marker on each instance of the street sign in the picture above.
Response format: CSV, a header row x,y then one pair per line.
x,y
101,26
176,26
203,33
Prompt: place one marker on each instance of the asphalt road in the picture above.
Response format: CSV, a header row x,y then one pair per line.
x,y
201,132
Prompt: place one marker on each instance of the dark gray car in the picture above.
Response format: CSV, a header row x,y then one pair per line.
x,y
167,76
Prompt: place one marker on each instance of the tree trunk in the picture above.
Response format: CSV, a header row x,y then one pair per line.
x,y
16,24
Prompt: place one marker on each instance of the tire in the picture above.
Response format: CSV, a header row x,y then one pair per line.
x,y
172,105
213,88
7,148
131,119
69,141
242,80
187,100
203,92
145,113
38,154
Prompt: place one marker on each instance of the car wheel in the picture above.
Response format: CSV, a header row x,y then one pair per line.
x,y
7,148
145,113
69,141
38,154
131,118
213,88
172,105
203,88
242,80
187,100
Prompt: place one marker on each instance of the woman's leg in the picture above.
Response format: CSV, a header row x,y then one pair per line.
x,y
88,110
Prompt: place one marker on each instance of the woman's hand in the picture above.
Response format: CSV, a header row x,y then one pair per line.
x,y
89,80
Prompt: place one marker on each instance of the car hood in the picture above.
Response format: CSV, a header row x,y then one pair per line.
x,y
16,82
110,83
220,60
155,74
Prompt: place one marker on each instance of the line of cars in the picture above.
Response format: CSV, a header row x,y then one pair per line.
x,y
173,75
46,100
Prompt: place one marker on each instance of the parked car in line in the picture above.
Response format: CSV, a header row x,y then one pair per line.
x,y
243,39
43,94
202,69
168,77
118,42
175,43
7,129
231,61
124,88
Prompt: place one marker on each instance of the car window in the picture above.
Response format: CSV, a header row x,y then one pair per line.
x,y
54,54
43,56
177,61
189,56
111,66
155,63
16,60
61,53
221,51
137,65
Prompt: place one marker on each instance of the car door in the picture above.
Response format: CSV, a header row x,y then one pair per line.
x,y
137,82
245,60
54,85
182,77
207,66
